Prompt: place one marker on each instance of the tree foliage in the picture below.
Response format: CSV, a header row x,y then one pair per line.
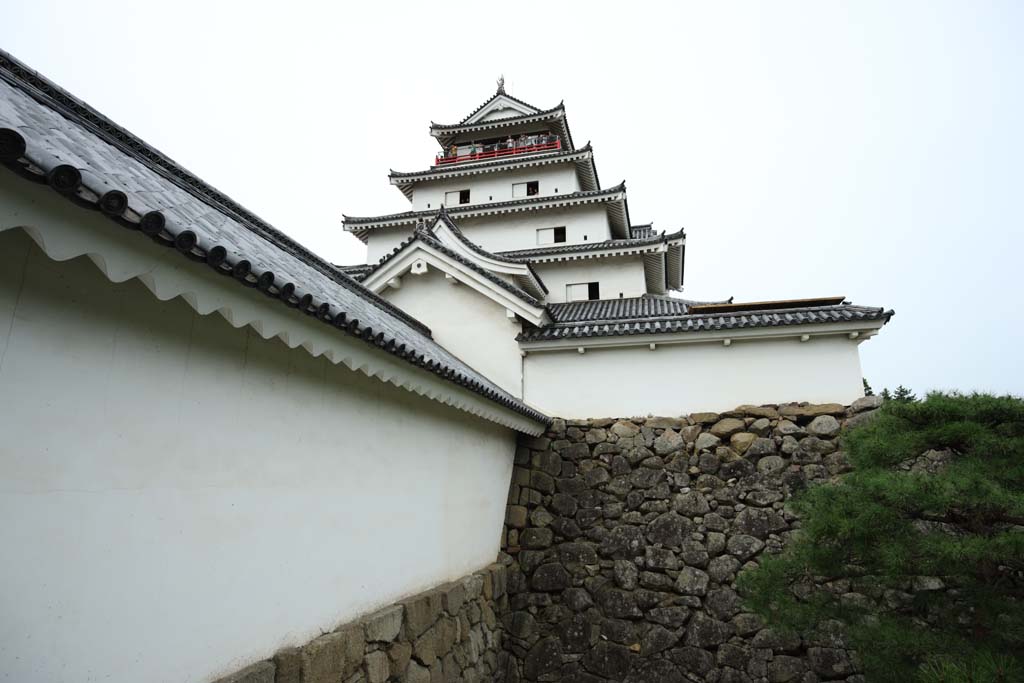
x,y
921,556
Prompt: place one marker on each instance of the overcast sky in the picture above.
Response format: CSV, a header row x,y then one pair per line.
x,y
869,149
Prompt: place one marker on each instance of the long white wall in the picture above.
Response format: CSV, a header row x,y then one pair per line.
x,y
466,323
487,188
619,276
182,497
685,378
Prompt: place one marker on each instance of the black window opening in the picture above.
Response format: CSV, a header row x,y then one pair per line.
x,y
456,197
559,235
582,291
532,188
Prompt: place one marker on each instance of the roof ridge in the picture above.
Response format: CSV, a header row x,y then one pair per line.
x,y
472,207
512,119
585,149
50,94
328,294
426,235
499,93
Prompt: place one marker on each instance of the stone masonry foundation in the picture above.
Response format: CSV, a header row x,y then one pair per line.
x,y
626,537
621,547
447,634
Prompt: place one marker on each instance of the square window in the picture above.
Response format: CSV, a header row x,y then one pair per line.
x,y
456,197
525,189
550,235
584,291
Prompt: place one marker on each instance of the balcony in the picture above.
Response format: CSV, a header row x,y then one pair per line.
x,y
499,150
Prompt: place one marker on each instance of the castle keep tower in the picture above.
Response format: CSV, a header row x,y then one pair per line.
x,y
547,268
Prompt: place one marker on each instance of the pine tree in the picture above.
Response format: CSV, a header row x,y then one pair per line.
x,y
934,542
903,394
868,391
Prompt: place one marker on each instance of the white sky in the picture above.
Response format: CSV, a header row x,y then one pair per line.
x,y
869,149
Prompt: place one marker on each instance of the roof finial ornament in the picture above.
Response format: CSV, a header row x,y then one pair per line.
x,y
501,85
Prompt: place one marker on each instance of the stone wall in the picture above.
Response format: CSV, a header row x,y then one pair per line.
x,y
626,536
450,633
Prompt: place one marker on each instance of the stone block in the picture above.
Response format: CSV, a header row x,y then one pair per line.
x,y
288,662
260,672
378,667
728,426
385,625
516,516
333,656
421,612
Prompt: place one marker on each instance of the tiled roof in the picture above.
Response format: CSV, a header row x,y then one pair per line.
x,y
500,92
357,272
446,132
453,169
352,222
525,254
424,235
648,306
511,119
49,136
577,323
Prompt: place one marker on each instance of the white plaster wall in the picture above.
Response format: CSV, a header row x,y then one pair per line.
x,y
583,224
466,323
507,232
181,498
497,187
618,276
685,378
382,241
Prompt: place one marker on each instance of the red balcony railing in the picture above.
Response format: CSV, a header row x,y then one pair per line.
x,y
497,151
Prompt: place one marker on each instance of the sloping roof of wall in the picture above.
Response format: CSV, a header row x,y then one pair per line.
x,y
632,317
49,136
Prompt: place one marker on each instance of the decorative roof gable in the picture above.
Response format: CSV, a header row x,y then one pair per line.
x,y
508,282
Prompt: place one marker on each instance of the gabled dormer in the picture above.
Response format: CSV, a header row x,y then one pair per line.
x,y
501,127
501,105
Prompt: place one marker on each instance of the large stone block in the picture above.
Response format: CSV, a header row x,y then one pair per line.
x,y
384,626
260,672
378,667
334,655
421,612
728,426
288,662
544,657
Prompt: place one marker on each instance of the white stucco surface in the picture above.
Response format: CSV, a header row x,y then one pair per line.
x,y
465,322
182,498
487,188
684,378
621,276
583,225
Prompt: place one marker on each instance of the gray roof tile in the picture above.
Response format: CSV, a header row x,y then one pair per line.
x,y
47,133
663,315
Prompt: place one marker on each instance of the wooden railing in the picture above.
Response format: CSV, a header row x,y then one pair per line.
x,y
498,151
